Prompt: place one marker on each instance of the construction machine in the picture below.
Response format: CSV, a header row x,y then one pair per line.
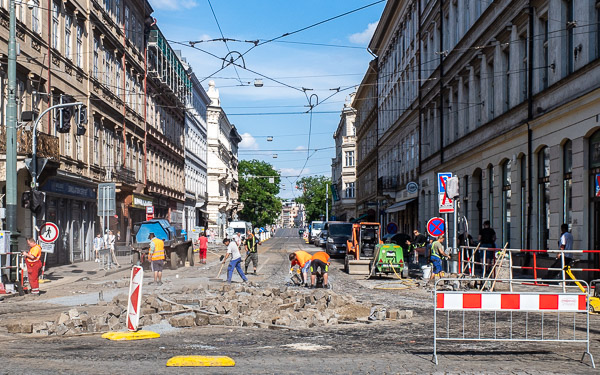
x,y
368,255
594,301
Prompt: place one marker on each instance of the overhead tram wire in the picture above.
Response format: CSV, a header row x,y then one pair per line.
x,y
224,39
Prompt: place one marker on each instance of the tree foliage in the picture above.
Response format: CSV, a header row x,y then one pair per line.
x,y
259,196
313,196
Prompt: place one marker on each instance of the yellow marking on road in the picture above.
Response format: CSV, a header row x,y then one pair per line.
x,y
125,336
200,361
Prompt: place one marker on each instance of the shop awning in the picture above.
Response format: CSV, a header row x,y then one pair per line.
x,y
400,206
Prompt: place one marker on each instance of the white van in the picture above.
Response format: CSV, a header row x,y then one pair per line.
x,y
241,227
315,229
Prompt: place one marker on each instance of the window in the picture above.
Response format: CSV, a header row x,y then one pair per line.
x,y
127,21
118,11
543,198
133,35
506,206
523,196
67,139
108,6
107,66
349,190
96,142
118,77
349,158
96,48
68,41
79,59
567,183
490,174
465,190
55,34
79,147
35,17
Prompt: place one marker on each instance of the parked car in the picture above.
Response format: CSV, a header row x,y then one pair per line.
x,y
339,233
323,238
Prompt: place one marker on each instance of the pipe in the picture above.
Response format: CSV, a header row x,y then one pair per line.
x,y
529,131
441,81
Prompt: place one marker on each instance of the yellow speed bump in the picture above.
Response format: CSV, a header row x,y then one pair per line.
x,y
200,361
138,335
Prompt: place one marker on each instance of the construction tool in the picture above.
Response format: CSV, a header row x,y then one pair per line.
x,y
471,257
220,269
502,254
594,301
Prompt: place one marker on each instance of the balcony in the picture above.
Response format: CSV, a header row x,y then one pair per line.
x,y
47,145
389,183
120,174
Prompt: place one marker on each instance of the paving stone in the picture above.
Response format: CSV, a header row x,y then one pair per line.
x,y
183,320
73,313
215,320
62,319
202,319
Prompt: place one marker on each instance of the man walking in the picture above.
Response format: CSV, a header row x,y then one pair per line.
x,y
98,245
34,264
251,244
236,260
565,243
157,257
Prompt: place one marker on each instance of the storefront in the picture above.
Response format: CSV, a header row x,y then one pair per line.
x,y
136,212
72,207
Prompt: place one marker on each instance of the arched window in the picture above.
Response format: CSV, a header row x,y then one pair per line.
x,y
506,195
490,178
523,197
567,178
594,200
543,197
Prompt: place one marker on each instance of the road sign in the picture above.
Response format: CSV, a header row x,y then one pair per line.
x,y
442,177
48,232
436,226
149,212
392,228
135,298
47,247
4,241
412,187
106,199
446,204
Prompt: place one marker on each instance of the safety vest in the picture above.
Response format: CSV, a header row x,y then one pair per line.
x,y
251,243
322,256
35,251
434,251
159,249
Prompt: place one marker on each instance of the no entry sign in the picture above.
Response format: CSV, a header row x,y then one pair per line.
x,y
48,232
135,298
436,226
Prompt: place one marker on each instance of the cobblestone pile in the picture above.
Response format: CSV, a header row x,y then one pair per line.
x,y
223,305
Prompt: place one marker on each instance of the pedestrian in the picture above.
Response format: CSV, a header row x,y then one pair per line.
x,y
251,245
34,264
211,235
302,259
417,244
319,265
564,243
203,247
487,240
437,253
98,245
157,257
109,242
233,251
238,239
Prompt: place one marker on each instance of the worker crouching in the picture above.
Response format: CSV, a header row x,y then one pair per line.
x,y
319,266
34,264
302,259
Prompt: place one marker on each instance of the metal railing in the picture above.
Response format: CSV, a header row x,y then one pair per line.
x,y
525,316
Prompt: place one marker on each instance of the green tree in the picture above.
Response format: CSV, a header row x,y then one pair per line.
x,y
313,196
259,196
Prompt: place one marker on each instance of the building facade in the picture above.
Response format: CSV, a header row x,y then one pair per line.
x,y
110,56
507,97
343,166
222,181
196,147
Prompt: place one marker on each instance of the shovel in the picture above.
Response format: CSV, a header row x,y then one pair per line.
x,y
220,269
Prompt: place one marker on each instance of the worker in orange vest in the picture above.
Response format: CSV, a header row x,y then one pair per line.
x,y
319,261
34,264
157,257
301,259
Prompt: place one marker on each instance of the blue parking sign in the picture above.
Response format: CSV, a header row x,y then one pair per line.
x,y
442,177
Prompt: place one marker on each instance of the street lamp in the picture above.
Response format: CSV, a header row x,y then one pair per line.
x,y
269,139
258,83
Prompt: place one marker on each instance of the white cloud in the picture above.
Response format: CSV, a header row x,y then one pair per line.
x,y
293,171
173,4
365,36
205,37
301,148
248,142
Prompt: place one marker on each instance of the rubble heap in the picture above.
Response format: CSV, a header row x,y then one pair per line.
x,y
224,305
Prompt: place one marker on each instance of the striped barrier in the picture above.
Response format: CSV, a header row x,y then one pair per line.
x,y
525,316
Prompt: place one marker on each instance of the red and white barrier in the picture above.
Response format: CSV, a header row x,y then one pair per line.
x,y
511,302
135,298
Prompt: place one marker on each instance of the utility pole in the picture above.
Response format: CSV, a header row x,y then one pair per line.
x,y
327,202
11,134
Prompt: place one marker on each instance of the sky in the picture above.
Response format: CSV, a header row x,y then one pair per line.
x,y
335,57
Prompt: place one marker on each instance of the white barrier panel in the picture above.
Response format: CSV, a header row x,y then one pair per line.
x,y
135,298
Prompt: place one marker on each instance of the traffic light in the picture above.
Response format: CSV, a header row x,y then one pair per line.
x,y
81,119
26,199
63,125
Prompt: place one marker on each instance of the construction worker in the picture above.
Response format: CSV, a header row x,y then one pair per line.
x,y
437,253
236,260
417,244
302,259
251,243
34,264
319,261
203,247
157,257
